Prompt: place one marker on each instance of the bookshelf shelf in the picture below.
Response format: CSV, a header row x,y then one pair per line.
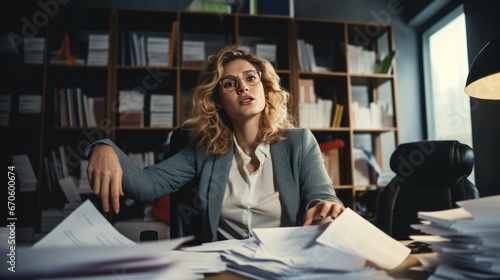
x,y
331,74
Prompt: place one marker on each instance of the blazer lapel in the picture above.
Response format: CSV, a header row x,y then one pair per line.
x,y
283,176
217,186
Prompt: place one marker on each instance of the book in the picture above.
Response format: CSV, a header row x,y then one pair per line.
x,y
174,34
337,118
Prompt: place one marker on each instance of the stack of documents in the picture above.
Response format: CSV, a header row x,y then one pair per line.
x,y
338,249
86,246
466,239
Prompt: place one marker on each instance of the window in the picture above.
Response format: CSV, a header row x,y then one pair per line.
x,y
445,70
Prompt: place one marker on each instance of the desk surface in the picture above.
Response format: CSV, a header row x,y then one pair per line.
x,y
402,271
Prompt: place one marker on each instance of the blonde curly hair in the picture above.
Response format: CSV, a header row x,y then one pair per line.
x,y
208,124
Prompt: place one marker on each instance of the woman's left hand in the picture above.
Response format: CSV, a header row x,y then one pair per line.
x,y
323,210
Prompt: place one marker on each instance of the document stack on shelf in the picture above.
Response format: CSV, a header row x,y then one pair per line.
x,y
158,50
33,50
314,112
98,49
193,53
268,52
162,110
466,239
131,108
5,101
30,107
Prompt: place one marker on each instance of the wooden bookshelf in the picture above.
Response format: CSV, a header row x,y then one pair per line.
x,y
330,40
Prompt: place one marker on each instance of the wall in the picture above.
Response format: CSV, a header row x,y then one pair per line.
x,y
482,22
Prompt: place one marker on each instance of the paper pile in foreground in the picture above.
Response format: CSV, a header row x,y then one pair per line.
x,y
86,246
466,239
339,249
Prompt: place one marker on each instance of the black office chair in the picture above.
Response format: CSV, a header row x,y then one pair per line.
x,y
185,214
430,176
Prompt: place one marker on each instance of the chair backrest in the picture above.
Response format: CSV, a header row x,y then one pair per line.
x,y
430,176
184,210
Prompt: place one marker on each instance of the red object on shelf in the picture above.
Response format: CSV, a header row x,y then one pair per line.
x,y
334,144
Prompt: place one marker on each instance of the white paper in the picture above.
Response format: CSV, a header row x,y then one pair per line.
x,y
354,234
85,244
70,190
483,209
84,227
97,260
24,172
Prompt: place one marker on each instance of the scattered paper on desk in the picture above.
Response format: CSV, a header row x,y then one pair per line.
x,y
297,245
86,246
354,234
85,226
96,260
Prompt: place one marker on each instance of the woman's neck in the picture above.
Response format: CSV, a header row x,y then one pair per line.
x,y
246,135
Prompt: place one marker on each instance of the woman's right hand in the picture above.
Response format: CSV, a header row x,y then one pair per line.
x,y
105,176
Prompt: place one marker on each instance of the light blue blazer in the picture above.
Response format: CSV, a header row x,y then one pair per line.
x,y
299,173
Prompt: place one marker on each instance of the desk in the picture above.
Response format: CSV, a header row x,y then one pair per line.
x,y
402,271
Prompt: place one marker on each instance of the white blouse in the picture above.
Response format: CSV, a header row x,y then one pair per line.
x,y
250,200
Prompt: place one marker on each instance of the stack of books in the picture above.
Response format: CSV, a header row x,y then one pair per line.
x,y
162,110
158,51
98,49
376,115
360,60
193,53
466,239
131,108
30,107
314,112
4,109
33,50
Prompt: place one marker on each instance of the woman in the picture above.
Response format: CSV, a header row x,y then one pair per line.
x,y
253,168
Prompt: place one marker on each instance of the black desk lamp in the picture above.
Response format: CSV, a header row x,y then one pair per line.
x,y
483,80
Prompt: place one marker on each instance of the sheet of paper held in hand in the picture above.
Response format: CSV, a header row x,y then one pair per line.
x,y
354,234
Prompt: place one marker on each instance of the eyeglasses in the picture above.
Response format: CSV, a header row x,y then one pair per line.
x,y
250,78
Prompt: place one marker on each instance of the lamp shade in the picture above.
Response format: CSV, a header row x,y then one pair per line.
x,y
483,80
